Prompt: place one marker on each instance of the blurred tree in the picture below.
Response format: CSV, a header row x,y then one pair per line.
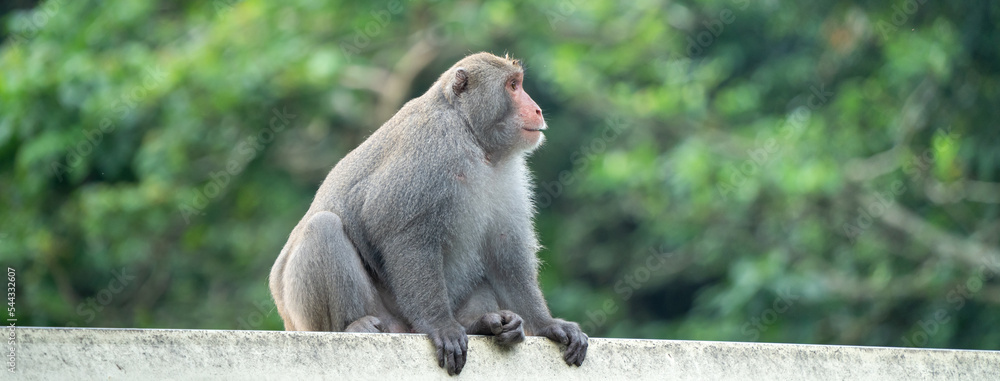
x,y
720,170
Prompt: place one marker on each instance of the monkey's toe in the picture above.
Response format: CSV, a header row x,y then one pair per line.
x,y
511,337
366,324
512,330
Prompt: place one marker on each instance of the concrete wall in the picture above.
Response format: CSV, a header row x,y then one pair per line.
x,y
134,354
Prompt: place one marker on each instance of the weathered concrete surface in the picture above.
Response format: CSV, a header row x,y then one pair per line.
x,y
134,354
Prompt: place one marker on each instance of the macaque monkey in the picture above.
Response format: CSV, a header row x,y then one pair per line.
x,y
427,225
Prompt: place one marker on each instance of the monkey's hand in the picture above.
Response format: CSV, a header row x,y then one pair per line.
x,y
570,335
451,346
505,326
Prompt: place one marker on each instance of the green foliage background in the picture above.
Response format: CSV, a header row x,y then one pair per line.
x,y
720,170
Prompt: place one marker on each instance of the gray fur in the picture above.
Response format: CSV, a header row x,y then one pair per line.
x,y
427,226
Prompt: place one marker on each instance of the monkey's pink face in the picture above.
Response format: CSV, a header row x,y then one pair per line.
x,y
532,124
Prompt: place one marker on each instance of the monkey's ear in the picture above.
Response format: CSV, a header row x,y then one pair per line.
x,y
461,81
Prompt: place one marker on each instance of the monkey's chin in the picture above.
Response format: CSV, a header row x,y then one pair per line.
x,y
532,140
533,137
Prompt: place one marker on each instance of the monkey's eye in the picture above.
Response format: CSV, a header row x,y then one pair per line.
x,y
513,84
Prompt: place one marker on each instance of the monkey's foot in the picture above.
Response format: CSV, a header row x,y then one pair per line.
x,y
505,326
366,324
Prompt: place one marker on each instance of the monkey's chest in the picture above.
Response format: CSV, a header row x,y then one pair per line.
x,y
464,251
485,208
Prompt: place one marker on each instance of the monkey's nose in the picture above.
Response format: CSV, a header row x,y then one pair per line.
x,y
538,111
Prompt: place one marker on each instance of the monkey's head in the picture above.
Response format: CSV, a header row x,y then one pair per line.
x,y
486,91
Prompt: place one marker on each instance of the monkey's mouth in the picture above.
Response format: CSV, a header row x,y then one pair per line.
x,y
542,128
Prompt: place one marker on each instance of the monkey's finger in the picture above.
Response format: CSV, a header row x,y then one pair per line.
x,y
439,351
449,361
582,356
569,355
496,323
449,357
572,354
451,367
577,350
455,358
463,352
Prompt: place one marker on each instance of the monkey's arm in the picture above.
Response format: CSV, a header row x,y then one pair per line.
x,y
520,293
416,278
407,219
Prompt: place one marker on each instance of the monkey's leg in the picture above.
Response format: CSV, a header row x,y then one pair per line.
x,y
325,285
481,315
